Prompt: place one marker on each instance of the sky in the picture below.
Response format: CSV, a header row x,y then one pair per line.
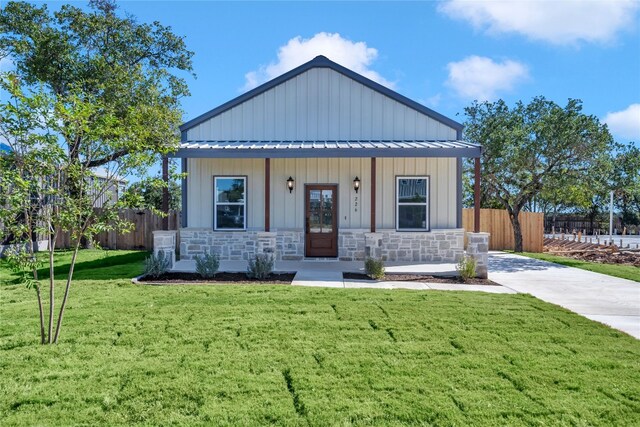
x,y
443,54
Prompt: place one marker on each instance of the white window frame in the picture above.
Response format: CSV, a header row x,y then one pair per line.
x,y
216,203
426,203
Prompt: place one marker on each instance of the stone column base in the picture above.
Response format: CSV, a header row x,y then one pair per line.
x,y
165,240
478,249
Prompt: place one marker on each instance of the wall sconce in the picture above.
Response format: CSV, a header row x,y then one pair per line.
x,y
356,184
290,182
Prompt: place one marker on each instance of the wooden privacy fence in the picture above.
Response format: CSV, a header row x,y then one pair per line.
x,y
497,222
141,237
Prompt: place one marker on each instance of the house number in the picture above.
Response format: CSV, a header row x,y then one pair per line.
x,y
355,204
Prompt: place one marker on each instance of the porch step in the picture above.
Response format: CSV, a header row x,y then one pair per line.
x,y
325,279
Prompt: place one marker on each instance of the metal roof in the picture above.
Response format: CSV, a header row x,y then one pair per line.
x,y
327,148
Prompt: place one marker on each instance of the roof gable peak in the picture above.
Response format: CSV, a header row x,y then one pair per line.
x,y
322,61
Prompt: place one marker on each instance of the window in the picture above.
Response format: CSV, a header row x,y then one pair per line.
x,y
230,203
412,203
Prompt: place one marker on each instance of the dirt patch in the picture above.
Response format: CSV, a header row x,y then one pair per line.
x,y
175,278
420,278
591,252
606,257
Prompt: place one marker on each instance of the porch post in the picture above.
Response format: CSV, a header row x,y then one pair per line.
x,y
267,194
373,194
476,197
165,193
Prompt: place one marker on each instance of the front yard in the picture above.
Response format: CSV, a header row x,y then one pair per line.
x,y
253,355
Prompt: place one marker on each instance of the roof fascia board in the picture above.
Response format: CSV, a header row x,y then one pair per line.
x,y
323,62
279,153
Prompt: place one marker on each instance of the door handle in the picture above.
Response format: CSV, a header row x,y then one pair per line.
x,y
306,224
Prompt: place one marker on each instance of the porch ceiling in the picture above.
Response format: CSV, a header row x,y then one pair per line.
x,y
321,148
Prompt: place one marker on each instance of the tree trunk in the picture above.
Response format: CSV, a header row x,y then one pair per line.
x,y
66,292
52,240
43,338
40,309
517,230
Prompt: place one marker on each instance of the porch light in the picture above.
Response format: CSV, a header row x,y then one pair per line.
x,y
290,182
356,184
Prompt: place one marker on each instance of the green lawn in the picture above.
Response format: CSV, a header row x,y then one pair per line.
x,y
258,355
617,270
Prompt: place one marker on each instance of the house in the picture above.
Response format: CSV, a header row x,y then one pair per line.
x,y
323,162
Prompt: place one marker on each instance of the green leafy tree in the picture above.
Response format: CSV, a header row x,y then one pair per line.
x,y
150,192
107,90
626,183
531,148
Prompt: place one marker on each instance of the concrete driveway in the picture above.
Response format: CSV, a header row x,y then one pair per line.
x,y
605,299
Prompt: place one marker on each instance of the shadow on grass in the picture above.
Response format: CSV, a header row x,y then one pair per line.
x,y
105,267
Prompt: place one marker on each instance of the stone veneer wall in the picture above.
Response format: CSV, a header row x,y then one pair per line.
x,y
238,245
478,249
353,245
445,245
165,240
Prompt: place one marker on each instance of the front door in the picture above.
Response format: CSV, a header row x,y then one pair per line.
x,y
321,220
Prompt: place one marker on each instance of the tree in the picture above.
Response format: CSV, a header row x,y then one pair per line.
x,y
626,183
108,92
150,194
530,148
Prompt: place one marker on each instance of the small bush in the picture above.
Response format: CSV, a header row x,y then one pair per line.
x,y
466,267
207,265
374,268
156,265
260,267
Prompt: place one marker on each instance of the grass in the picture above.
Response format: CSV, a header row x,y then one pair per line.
x,y
617,270
262,355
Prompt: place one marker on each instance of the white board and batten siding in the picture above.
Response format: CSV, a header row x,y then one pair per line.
x,y
320,104
287,209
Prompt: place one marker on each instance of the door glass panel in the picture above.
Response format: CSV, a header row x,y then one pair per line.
x,y
327,211
315,210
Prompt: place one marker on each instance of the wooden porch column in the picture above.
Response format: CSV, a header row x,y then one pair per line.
x,y
267,194
373,194
476,197
165,193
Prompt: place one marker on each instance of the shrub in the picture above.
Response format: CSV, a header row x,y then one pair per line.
x,y
207,265
374,268
260,267
466,267
156,265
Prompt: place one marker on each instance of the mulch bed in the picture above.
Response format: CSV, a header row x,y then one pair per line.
x,y
421,278
173,278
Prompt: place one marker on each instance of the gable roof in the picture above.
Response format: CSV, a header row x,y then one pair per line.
x,y
323,62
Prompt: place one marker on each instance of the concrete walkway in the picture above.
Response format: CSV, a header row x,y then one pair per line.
x,y
605,299
328,278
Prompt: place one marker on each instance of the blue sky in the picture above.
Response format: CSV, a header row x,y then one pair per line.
x,y
442,54
433,52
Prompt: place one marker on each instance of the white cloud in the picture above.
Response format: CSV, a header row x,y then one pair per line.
x,y
478,77
558,22
625,123
356,56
